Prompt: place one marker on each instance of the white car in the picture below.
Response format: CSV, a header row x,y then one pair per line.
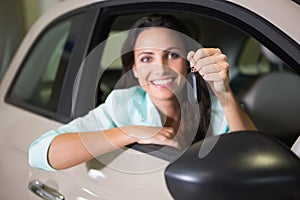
x,y
68,63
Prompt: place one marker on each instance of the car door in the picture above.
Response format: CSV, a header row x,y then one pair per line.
x,y
216,24
87,69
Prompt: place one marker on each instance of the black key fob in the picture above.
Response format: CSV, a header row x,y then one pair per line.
x,y
193,90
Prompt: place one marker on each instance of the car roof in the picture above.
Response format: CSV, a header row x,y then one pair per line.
x,y
278,15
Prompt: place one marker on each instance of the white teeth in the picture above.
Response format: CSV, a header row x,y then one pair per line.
x,y
162,82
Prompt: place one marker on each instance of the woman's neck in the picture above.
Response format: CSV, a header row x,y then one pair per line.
x,y
170,112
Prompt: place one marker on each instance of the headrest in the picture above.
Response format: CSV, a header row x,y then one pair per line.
x,y
273,103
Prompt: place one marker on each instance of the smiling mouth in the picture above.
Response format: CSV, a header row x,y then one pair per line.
x,y
163,82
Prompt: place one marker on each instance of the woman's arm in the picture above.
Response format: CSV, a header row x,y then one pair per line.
x,y
236,117
70,149
212,65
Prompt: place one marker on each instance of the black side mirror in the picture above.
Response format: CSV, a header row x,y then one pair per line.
x,y
242,165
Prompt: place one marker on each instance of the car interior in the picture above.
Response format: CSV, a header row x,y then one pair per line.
x,y
274,111
265,86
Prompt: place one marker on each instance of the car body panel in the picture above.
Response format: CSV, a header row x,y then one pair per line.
x,y
93,180
283,20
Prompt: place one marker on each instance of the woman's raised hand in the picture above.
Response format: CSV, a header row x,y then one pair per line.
x,y
212,65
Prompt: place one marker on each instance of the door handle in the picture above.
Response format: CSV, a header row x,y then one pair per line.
x,y
44,191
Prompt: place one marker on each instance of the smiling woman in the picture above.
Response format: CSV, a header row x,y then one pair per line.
x,y
155,112
49,83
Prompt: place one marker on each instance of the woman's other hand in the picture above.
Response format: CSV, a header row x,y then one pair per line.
x,y
152,135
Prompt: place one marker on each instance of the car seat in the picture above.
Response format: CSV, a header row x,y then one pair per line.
x,y
272,100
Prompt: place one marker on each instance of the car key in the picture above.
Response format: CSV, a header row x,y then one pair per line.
x,y
193,91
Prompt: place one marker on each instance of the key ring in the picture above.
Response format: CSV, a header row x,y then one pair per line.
x,y
193,69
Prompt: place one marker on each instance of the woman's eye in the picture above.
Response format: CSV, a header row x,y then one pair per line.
x,y
145,59
173,55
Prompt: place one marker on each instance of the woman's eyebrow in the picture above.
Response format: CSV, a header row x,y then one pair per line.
x,y
145,52
149,52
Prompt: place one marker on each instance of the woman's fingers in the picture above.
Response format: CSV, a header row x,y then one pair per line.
x,y
207,58
190,55
206,52
191,59
168,142
214,75
164,137
212,65
213,68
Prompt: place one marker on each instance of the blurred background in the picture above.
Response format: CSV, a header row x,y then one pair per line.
x,y
16,17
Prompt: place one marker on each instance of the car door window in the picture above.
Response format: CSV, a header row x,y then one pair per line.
x,y
256,59
39,82
207,31
245,50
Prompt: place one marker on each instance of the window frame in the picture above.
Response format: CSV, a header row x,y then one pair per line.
x,y
56,115
228,12
245,20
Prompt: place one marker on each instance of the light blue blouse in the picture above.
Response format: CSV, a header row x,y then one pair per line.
x,y
122,107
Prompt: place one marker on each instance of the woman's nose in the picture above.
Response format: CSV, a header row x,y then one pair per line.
x,y
160,60
161,64
161,67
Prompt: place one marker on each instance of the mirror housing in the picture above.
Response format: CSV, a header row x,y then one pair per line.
x,y
241,165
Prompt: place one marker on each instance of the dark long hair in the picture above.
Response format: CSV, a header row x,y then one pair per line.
x,y
170,22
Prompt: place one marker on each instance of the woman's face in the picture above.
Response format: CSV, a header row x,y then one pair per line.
x,y
159,63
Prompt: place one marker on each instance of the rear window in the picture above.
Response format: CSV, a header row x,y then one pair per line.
x,y
38,84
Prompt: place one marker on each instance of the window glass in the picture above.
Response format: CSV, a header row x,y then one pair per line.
x,y
256,59
111,61
249,59
39,82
